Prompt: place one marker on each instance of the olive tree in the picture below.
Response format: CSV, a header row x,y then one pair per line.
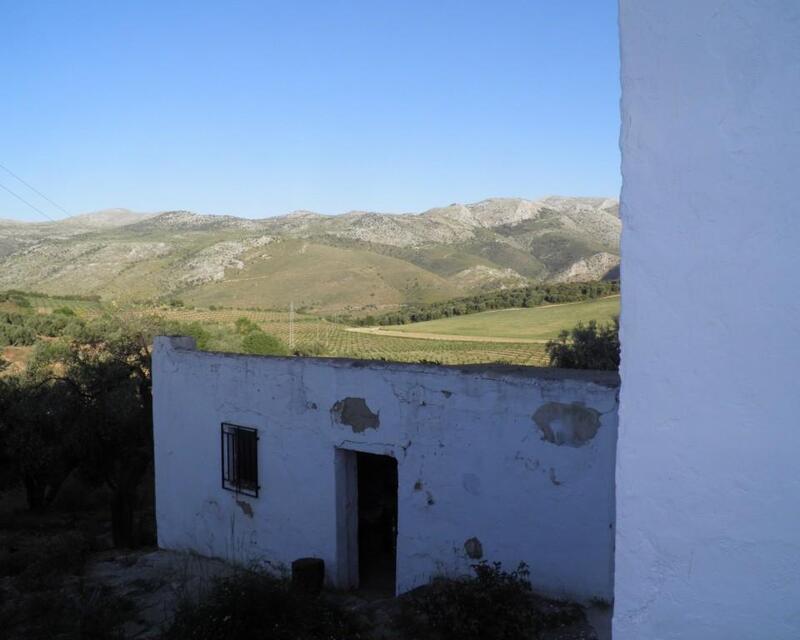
x,y
589,346
37,418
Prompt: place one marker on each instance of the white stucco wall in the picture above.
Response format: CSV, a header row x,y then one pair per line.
x,y
472,462
708,479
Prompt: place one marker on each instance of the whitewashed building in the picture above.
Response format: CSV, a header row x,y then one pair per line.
x,y
391,473
708,479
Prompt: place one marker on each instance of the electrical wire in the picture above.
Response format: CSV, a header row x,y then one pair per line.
x,y
21,199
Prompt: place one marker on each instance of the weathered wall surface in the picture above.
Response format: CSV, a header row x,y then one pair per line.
x,y
708,524
518,461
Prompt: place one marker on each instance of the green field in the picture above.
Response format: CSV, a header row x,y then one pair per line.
x,y
537,323
335,340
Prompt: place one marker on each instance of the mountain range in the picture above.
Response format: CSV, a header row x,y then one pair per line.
x,y
328,263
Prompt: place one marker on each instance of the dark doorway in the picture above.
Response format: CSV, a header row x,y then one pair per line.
x,y
377,522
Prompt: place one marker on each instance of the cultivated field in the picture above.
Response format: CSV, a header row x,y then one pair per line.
x,y
537,323
513,336
333,339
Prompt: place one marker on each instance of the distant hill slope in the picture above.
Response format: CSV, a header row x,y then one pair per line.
x,y
355,261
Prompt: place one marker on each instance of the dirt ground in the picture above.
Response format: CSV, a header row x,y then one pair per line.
x,y
156,580
16,357
59,574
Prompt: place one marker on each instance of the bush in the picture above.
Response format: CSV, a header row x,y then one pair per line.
x,y
255,605
16,297
311,349
16,330
262,344
23,329
198,332
65,311
41,562
245,325
494,605
586,347
85,613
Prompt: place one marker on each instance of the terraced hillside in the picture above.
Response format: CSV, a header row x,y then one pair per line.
x,y
356,262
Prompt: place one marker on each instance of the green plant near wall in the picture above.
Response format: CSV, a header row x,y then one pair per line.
x,y
263,344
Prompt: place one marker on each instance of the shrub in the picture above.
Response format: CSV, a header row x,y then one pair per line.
x,y
311,349
245,325
101,614
493,605
198,332
15,329
65,311
42,562
17,297
255,605
262,344
586,347
85,613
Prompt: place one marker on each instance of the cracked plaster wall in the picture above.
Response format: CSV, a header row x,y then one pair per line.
x,y
708,516
477,472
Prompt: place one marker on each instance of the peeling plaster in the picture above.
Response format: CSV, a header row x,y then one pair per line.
x,y
567,424
474,549
355,413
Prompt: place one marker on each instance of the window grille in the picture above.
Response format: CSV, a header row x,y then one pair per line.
x,y
240,459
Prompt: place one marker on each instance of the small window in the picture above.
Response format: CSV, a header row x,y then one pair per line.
x,y
240,459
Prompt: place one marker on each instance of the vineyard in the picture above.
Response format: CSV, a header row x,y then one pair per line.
x,y
80,307
311,333
305,334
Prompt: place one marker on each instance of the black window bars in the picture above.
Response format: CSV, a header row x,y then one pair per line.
x,y
239,448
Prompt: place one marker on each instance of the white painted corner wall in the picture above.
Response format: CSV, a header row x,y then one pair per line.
x,y
708,464
522,460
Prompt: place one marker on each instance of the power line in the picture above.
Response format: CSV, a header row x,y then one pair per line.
x,y
34,189
21,199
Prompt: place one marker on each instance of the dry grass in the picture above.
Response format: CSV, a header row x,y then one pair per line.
x,y
16,357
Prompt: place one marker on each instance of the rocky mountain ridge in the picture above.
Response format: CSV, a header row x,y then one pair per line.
x,y
353,260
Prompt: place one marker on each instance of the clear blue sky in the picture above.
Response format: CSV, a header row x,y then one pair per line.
x,y
258,108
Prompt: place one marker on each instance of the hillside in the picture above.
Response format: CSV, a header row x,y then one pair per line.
x,y
357,261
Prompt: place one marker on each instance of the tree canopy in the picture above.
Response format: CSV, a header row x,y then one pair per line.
x,y
589,346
